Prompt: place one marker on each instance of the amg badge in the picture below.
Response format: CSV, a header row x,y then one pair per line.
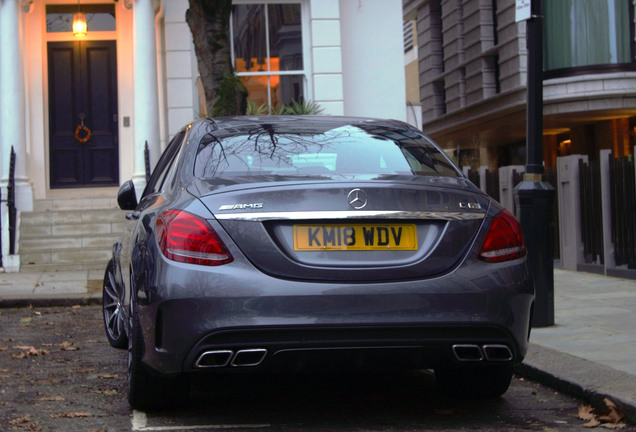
x,y
241,206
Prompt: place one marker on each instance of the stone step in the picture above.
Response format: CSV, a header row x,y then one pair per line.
x,y
84,203
65,260
71,223
69,234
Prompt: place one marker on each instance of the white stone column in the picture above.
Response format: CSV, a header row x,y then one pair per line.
x,y
12,123
146,98
12,104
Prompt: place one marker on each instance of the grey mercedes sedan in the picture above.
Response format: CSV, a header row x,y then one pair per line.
x,y
312,243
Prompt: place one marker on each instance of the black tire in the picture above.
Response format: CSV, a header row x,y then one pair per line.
x,y
145,390
114,321
483,382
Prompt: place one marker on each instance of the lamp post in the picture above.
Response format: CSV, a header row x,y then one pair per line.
x,y
534,197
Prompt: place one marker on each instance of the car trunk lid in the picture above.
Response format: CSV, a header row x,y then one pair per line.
x,y
340,231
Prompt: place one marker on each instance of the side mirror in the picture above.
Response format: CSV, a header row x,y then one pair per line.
x,y
126,197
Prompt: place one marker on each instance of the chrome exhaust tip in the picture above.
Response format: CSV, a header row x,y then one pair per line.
x,y
214,359
249,357
467,352
497,352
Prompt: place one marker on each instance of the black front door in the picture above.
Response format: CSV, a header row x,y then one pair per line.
x,y
83,140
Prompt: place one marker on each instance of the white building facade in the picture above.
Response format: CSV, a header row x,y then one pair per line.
x,y
79,111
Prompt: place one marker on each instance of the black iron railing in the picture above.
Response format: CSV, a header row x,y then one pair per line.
x,y
492,184
473,176
147,161
550,176
623,202
591,212
12,212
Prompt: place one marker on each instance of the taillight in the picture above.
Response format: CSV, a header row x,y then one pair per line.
x,y
188,238
504,240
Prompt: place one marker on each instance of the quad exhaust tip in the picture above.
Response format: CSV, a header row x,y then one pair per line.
x,y
476,353
249,357
224,358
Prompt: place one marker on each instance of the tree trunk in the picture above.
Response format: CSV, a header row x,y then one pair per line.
x,y
209,22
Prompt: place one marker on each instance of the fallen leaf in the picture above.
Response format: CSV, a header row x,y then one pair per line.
x,y
29,351
23,347
51,398
26,320
107,392
20,420
68,346
84,370
107,376
586,412
70,414
609,418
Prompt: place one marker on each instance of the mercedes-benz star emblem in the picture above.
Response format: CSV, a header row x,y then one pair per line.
x,y
357,198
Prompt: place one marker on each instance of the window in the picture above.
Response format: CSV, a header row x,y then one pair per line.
x,y
268,52
99,17
583,33
155,184
266,154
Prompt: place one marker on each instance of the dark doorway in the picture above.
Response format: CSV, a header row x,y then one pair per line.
x,y
83,133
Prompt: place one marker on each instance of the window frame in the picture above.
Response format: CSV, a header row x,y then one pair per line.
x,y
306,47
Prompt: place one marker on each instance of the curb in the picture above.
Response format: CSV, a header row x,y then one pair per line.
x,y
581,378
51,302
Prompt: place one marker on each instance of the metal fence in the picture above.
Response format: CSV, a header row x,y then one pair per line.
x,y
473,176
492,184
591,212
623,205
11,210
550,176
147,161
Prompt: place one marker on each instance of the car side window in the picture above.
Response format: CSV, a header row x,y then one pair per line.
x,y
163,165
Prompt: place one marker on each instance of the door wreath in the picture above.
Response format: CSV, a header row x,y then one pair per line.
x,y
86,131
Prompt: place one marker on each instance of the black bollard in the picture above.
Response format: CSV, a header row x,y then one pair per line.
x,y
534,202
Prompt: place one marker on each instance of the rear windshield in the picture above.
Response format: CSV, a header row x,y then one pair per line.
x,y
347,151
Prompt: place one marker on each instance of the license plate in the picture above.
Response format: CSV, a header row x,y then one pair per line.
x,y
355,237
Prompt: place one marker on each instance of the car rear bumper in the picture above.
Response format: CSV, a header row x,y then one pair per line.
x,y
193,322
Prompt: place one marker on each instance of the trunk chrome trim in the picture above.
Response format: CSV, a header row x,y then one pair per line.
x,y
366,214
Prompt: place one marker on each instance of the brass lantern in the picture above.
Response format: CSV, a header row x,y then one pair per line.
x,y
79,23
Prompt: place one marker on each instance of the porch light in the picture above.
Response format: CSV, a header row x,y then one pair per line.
x,y
79,22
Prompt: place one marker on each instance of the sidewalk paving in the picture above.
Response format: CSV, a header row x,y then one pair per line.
x,y
590,352
51,288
